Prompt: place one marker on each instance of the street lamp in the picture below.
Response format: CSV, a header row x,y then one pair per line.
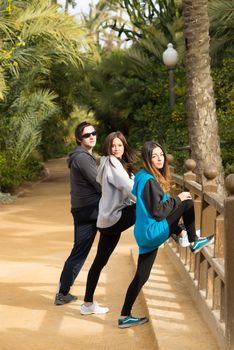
x,y
170,59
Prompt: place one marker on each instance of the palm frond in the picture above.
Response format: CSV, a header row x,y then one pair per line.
x,y
141,61
221,14
32,110
44,25
40,101
7,26
41,19
28,135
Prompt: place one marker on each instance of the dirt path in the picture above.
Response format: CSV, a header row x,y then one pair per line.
x,y
36,237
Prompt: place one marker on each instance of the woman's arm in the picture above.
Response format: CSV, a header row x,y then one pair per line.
x,y
153,196
119,178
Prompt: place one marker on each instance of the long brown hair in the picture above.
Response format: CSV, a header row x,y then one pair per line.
x,y
128,157
162,175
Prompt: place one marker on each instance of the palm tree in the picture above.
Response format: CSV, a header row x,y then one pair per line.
x,y
153,27
25,126
37,34
34,38
96,22
200,103
162,14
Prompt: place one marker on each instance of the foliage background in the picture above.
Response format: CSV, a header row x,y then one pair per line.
x,y
56,72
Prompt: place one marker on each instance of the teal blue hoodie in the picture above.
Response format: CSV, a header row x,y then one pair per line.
x,y
149,233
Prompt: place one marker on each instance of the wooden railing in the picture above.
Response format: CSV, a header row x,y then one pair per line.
x,y
210,273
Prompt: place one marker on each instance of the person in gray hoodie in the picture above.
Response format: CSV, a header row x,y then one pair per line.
x,y
116,210
85,196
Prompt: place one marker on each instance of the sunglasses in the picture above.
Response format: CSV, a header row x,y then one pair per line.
x,y
86,136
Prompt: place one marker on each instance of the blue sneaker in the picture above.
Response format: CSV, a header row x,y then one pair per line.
x,y
201,243
131,321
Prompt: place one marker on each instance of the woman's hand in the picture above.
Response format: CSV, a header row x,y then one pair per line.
x,y
184,196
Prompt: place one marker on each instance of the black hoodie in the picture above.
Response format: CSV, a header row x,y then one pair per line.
x,y
85,191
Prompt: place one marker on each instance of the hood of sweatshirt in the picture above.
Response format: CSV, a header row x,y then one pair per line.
x,y
72,155
104,163
142,175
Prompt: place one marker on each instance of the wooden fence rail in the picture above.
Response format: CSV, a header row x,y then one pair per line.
x,y
210,273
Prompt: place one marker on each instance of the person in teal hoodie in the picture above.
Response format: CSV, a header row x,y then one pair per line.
x,y
157,217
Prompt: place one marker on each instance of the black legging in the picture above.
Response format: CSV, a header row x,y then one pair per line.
x,y
109,238
186,211
144,266
145,261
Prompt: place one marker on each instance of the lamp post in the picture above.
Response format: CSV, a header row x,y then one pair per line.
x,y
170,59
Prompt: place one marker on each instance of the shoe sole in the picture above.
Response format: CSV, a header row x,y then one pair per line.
x,y
184,245
208,243
94,313
58,303
133,324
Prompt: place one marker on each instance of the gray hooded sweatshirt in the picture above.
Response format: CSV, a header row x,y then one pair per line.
x,y
116,191
85,191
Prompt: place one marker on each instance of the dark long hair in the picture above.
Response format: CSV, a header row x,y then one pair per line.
x,y
128,157
162,175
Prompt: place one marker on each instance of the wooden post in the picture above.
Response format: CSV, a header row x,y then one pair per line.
x,y
197,207
229,261
208,214
190,165
174,189
219,236
170,159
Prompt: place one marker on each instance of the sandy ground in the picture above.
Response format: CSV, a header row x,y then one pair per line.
x,y
36,237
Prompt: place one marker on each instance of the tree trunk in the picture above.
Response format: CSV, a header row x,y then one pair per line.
x,y
200,103
66,6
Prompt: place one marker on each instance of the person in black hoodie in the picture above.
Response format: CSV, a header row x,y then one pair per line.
x,y
85,196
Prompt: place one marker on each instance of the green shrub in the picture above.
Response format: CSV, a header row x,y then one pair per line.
x,y
224,94
13,174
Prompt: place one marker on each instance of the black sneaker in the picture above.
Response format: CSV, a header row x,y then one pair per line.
x,y
131,321
61,299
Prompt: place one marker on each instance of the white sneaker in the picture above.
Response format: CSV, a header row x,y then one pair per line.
x,y
93,308
183,241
